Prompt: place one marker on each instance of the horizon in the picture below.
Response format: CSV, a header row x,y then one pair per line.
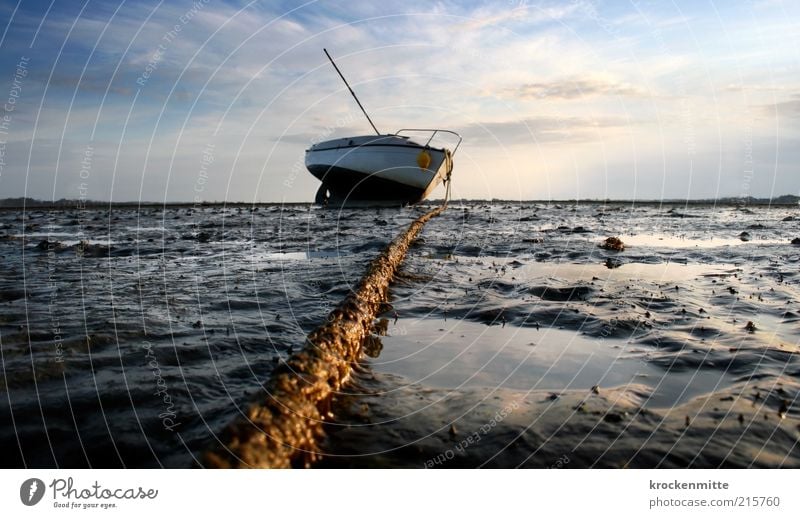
x,y
211,100
725,200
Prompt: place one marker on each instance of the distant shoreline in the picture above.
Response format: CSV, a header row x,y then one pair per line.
x,y
32,203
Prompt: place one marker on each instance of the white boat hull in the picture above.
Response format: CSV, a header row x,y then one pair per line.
x,y
383,169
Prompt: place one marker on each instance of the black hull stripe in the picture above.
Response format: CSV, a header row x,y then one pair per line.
x,y
348,185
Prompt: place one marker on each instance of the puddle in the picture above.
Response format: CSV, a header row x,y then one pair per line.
x,y
663,240
299,256
456,354
659,272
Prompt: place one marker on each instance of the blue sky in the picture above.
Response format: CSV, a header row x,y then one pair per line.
x,y
215,100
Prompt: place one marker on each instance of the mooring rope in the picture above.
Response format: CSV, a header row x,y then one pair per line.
x,y
285,427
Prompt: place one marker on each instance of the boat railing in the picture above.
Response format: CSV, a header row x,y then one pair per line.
x,y
433,133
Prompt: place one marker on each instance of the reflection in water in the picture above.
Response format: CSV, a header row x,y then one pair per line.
x,y
458,353
373,346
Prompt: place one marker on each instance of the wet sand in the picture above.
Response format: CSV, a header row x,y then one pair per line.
x,y
633,362
131,337
390,422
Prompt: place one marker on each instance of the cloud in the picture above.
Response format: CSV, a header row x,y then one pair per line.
x,y
790,109
537,130
255,83
93,82
567,89
530,15
748,88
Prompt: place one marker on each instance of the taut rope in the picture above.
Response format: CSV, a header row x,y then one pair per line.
x,y
283,428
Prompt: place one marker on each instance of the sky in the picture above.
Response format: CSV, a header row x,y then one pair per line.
x,y
212,100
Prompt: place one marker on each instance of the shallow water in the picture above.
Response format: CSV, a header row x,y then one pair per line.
x,y
132,336
460,354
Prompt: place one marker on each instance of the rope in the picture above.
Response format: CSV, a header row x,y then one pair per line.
x,y
284,428
448,178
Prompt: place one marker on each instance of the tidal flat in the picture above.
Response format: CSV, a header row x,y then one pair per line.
x,y
131,336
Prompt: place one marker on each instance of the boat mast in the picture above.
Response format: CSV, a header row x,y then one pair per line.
x,y
351,91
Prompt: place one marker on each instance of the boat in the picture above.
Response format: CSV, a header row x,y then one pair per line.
x,y
384,169
399,168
